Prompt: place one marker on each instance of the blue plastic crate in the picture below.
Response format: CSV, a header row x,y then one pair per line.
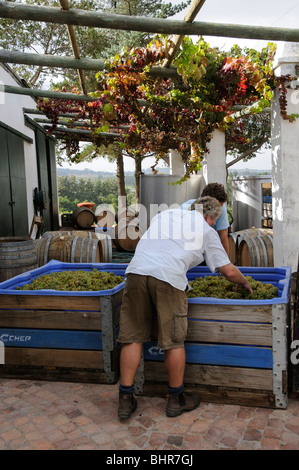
x,y
278,277
9,286
48,329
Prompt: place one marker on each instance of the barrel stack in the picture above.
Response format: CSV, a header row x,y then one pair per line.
x,y
252,247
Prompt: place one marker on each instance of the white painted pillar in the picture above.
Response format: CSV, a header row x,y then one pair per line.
x,y
285,165
213,165
214,162
176,163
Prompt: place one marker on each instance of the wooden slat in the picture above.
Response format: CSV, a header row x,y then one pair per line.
x,y
249,313
230,332
53,358
222,395
52,319
50,302
220,376
258,334
97,376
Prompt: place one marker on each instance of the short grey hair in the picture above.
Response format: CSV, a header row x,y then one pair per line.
x,y
208,205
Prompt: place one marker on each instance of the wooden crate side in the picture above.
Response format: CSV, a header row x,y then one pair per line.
x,y
51,319
222,395
50,302
230,332
60,365
214,331
56,374
217,376
117,298
53,358
248,313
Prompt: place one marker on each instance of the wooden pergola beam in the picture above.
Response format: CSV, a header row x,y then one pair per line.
x,y
73,97
81,132
47,60
72,36
75,124
97,19
191,14
15,90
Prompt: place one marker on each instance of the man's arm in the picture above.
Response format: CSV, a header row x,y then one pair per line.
x,y
233,274
223,234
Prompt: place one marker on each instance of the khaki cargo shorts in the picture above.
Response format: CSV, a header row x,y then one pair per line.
x,y
145,298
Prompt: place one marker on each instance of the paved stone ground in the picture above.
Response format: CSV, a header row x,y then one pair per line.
x,y
72,416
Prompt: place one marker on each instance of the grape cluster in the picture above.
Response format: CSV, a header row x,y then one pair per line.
x,y
75,281
221,288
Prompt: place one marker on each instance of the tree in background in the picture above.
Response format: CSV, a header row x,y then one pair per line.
x,y
95,43
73,190
48,38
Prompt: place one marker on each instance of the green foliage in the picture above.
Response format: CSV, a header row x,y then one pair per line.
x,y
247,134
44,38
73,190
183,112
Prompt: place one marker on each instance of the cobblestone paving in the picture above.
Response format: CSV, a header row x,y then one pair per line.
x,y
71,416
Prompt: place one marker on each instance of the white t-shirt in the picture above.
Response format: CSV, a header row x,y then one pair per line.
x,y
176,241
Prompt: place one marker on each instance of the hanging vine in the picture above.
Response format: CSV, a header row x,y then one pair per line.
x,y
181,113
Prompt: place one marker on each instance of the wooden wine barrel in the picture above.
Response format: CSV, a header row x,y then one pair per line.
x,y
235,238
106,247
233,247
17,255
123,214
72,233
254,232
72,249
105,216
256,251
127,235
83,217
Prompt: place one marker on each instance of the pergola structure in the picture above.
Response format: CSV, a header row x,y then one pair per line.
x,y
284,134
95,19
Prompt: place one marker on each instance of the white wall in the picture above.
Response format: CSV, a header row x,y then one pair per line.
x,y
247,201
285,167
11,114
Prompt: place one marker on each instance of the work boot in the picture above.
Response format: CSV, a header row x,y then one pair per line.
x,y
178,404
127,405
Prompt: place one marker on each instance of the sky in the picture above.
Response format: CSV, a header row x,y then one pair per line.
x,y
272,13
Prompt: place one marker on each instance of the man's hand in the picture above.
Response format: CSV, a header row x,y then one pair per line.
x,y
244,286
233,274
